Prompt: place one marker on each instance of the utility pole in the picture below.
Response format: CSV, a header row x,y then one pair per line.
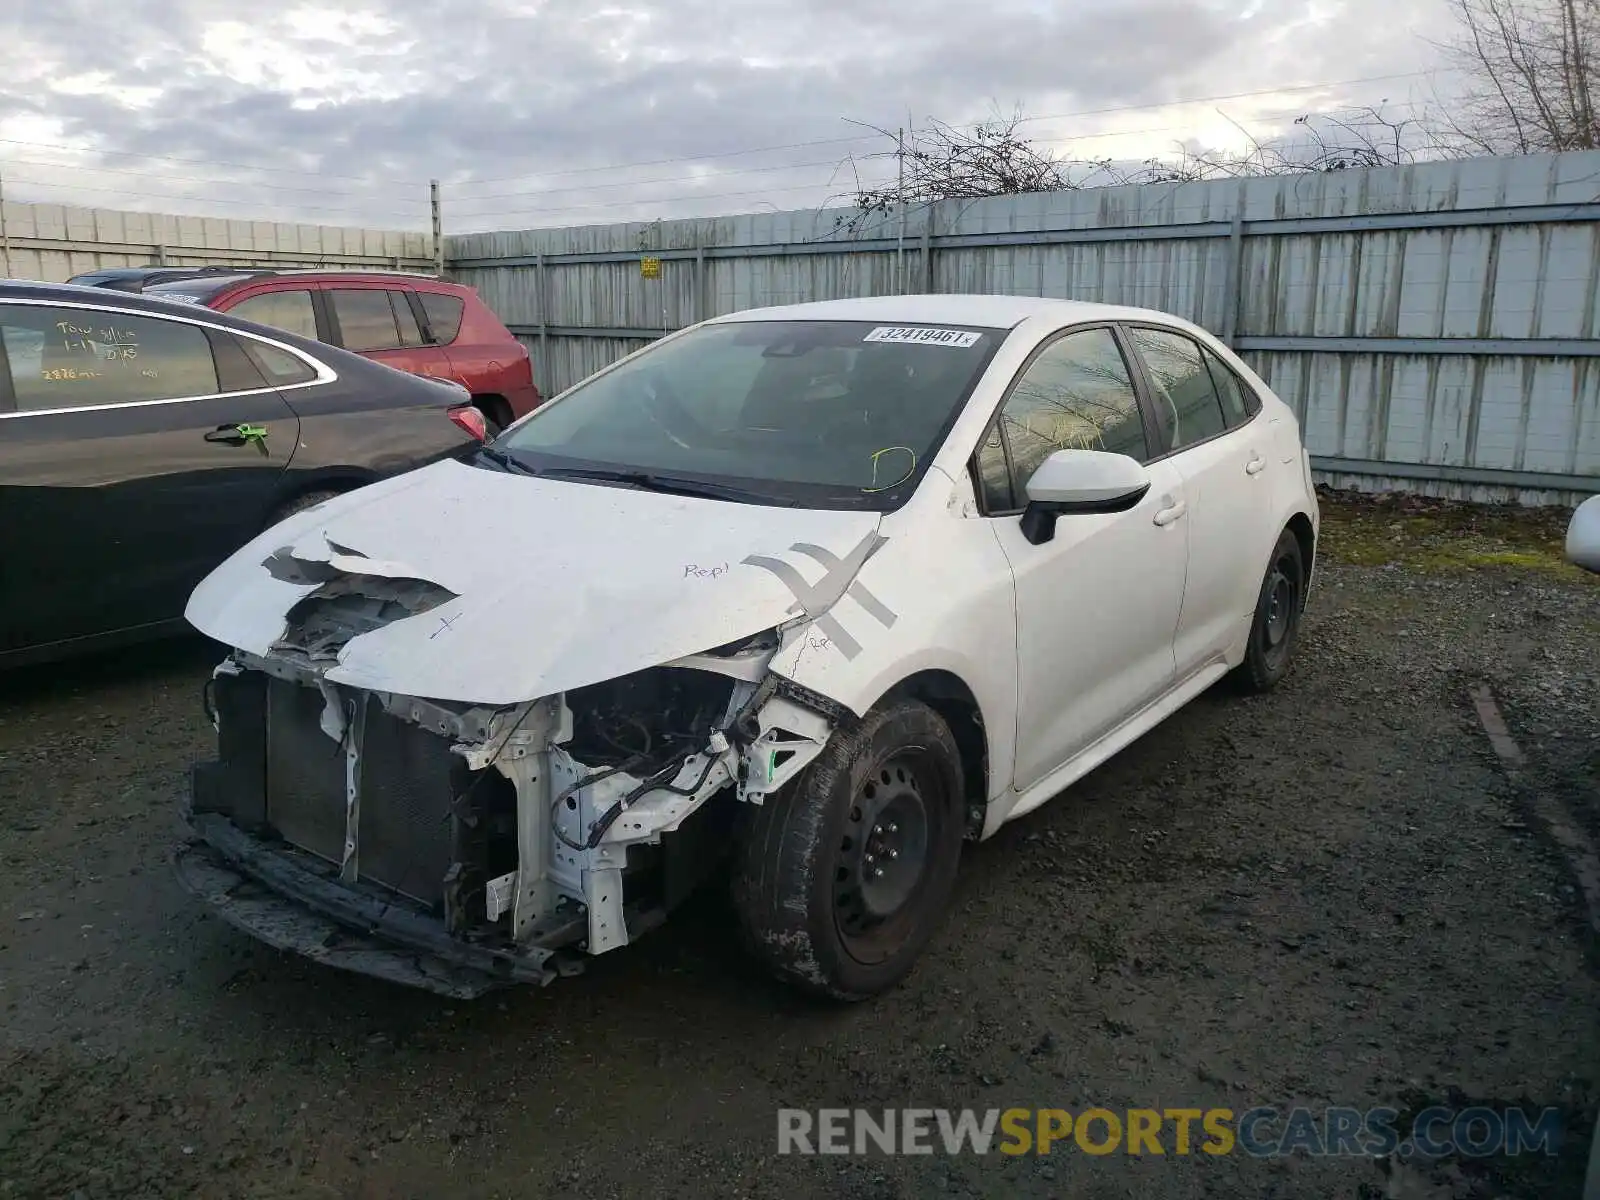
x,y
5,238
438,228
900,203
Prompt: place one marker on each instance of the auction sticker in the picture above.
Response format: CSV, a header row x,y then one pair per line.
x,y
923,335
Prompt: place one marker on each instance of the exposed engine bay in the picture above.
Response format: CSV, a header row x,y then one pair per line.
x,y
458,847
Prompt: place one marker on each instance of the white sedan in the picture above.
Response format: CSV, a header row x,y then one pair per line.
x,y
807,596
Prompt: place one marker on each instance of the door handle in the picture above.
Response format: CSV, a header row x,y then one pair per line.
x,y
1171,513
1256,465
239,435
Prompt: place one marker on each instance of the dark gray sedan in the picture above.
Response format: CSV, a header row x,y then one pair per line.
x,y
142,441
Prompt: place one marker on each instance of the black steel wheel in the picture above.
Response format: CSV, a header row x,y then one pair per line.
x,y
843,877
1276,627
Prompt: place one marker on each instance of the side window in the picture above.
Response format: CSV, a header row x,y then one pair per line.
x,y
405,319
1239,401
289,311
71,357
277,367
1077,395
444,315
366,319
994,475
1187,406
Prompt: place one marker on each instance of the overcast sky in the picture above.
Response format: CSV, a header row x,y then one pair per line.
x,y
558,112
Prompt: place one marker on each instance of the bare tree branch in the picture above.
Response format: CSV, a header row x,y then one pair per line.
x,y
1530,67
994,158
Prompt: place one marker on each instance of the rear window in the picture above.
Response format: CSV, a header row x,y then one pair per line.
x,y
277,367
444,315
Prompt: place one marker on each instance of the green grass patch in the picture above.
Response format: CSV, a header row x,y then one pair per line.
x,y
1438,536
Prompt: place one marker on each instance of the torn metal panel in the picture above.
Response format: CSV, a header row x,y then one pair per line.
x,y
790,738
517,553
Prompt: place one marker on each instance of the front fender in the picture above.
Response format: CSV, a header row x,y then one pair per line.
x,y
937,595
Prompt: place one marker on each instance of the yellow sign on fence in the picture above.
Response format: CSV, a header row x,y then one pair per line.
x,y
650,268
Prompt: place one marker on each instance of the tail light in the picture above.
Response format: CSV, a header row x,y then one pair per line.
x,y
471,420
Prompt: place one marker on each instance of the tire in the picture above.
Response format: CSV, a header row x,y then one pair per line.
x,y
496,411
885,797
299,504
1276,626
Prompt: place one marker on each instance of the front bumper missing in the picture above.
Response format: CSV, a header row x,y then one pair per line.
x,y
266,893
337,825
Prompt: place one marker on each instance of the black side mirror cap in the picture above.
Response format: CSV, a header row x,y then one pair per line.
x,y
1039,519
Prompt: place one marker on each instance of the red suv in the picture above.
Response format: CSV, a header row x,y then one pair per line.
x,y
416,323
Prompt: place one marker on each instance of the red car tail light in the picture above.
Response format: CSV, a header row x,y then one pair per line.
x,y
471,420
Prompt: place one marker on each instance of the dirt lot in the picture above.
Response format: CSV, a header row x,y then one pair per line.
x,y
1332,895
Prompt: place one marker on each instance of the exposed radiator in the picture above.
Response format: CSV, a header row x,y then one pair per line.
x,y
405,831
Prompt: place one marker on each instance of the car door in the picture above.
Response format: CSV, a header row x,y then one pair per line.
x,y
379,323
1211,435
135,453
1097,605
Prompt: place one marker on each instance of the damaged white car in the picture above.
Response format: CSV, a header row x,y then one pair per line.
x,y
807,596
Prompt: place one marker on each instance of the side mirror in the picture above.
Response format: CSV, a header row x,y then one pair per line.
x,y
1080,481
1583,536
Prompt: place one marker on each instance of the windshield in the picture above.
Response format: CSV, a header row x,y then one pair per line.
x,y
824,413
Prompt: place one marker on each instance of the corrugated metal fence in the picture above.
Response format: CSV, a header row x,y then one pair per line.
x,y
1434,326
53,241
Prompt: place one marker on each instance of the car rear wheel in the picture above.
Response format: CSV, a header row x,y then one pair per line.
x,y
843,877
495,410
1276,627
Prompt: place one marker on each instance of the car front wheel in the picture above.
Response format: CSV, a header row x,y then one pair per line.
x,y
843,877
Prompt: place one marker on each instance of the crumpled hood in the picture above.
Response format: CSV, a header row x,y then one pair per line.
x,y
556,584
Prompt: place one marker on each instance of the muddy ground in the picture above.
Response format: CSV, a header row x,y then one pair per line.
x,y
1329,896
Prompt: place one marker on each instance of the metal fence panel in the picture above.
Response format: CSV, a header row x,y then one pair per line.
x,y
52,242
1432,324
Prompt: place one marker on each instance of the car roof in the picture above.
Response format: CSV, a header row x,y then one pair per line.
x,y
994,312
119,272
372,274
218,284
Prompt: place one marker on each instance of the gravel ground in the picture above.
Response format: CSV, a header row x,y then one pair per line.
x,y
1328,896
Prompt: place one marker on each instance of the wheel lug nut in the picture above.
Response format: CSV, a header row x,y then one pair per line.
x,y
893,828
893,854
877,872
878,830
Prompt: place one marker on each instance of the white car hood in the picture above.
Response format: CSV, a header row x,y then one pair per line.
x,y
557,584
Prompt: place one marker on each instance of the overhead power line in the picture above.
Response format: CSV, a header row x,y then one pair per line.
x,y
207,162
1087,112
169,178
648,200
586,188
194,199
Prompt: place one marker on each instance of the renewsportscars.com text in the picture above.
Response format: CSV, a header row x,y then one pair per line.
x,y
1261,1132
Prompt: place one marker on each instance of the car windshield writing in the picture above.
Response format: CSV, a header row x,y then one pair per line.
x,y
836,413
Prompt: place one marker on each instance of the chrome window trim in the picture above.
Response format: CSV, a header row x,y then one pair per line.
x,y
325,373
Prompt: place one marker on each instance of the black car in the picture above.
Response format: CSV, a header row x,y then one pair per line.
x,y
142,441
136,279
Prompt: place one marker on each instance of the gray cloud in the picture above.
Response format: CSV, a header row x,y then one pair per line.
x,y
342,119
